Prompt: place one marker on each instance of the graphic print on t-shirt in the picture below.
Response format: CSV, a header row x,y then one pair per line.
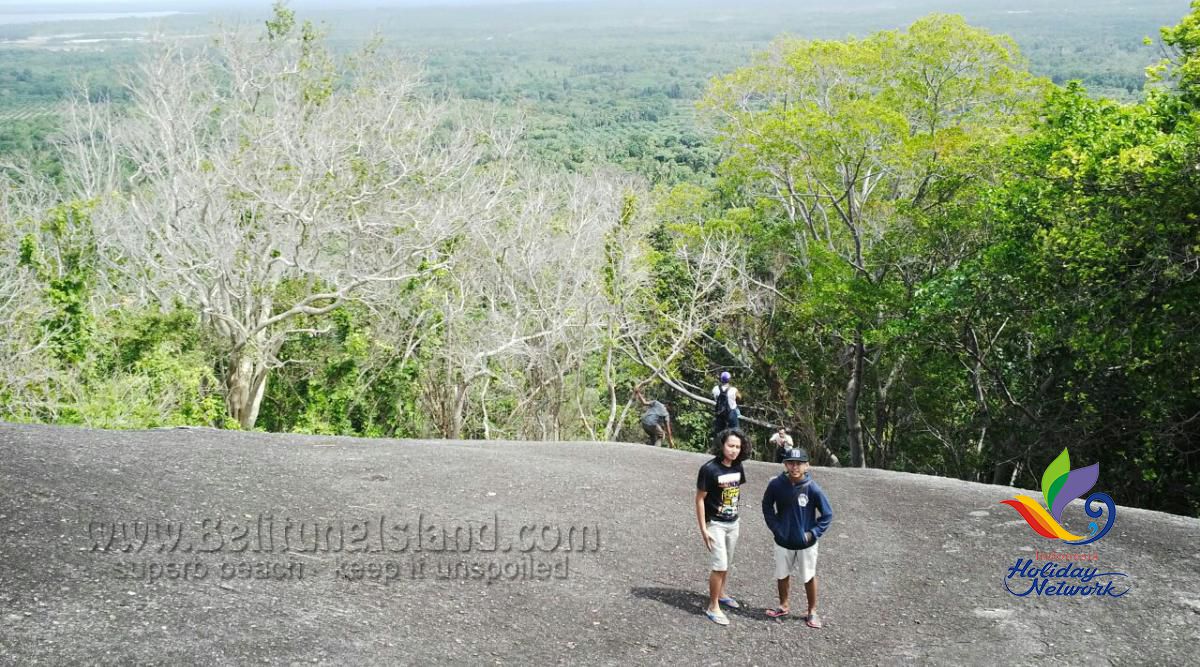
x,y
729,485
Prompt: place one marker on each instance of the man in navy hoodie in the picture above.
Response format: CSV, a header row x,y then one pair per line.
x,y
790,507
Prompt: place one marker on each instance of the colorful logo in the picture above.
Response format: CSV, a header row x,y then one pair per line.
x,y
1061,485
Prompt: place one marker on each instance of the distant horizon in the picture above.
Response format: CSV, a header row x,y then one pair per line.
x,y
51,17
194,6
17,12
129,6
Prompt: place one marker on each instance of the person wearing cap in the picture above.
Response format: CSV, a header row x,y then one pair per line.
x,y
718,489
790,506
725,398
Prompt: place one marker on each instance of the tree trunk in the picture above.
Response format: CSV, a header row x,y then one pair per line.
x,y
458,414
853,390
1005,473
801,414
245,382
883,416
1006,465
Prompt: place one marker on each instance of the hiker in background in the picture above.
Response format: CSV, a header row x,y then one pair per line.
x,y
718,488
725,397
790,506
656,420
782,442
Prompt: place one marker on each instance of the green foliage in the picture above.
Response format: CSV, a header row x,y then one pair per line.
x,y
1077,307
141,368
1184,68
1023,279
281,23
165,354
1107,213
693,429
166,386
592,85
343,382
63,258
851,168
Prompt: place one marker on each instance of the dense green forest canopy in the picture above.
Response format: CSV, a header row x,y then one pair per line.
x,y
954,238
603,81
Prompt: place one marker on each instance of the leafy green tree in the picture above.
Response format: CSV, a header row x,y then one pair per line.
x,y
845,154
63,257
1074,316
1101,225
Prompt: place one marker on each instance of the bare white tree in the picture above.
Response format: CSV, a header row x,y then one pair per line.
x,y
713,286
563,275
259,181
26,373
519,307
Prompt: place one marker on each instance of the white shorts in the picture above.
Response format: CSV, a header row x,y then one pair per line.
x,y
724,536
801,561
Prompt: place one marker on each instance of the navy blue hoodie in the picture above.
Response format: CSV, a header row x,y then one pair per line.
x,y
791,509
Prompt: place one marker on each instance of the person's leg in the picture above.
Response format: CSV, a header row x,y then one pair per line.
x,y
716,584
719,564
657,436
808,569
731,539
784,560
733,418
810,589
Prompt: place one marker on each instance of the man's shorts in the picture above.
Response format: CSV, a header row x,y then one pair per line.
x,y
801,561
724,540
654,434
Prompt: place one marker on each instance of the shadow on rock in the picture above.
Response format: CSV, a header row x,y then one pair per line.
x,y
692,602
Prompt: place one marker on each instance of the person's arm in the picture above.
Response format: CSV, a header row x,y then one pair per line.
x,y
700,495
826,514
637,391
768,508
670,439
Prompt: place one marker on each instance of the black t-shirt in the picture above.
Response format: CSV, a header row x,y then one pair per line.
x,y
722,484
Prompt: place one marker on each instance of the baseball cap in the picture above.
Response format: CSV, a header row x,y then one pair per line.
x,y
725,376
796,454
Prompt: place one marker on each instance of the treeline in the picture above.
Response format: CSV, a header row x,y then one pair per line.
x,y
958,269
594,81
906,247
269,235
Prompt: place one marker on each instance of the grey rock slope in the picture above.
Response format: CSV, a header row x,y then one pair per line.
x,y
337,550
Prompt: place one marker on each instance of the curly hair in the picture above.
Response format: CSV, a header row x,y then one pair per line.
x,y
718,446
